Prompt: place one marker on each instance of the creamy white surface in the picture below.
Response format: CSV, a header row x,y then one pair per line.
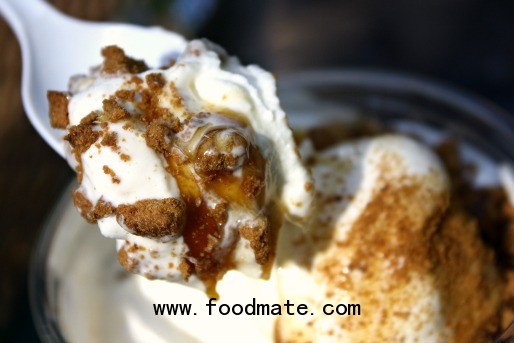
x,y
123,311
208,81
209,84
98,301
359,173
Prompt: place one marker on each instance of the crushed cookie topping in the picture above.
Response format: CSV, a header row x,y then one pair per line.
x,y
113,111
58,102
115,61
153,218
217,167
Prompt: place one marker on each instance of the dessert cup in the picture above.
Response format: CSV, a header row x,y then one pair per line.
x,y
395,101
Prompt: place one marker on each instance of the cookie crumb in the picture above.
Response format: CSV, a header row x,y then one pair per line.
x,y
186,269
155,218
90,118
258,235
127,262
113,111
125,94
155,81
111,173
177,99
159,137
110,139
87,211
252,186
58,102
116,61
81,137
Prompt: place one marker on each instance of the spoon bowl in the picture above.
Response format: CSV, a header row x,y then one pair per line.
x,y
55,47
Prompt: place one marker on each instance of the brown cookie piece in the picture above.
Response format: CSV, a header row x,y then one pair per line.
x,y
87,211
153,218
259,236
155,81
159,137
58,102
81,137
113,111
116,61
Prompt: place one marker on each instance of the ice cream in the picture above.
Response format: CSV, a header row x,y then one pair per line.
x,y
385,236
188,167
386,240
193,170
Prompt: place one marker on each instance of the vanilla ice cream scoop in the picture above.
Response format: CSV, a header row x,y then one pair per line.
x,y
384,237
385,241
186,166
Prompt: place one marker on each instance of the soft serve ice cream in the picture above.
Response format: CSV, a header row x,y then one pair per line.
x,y
385,239
193,169
187,167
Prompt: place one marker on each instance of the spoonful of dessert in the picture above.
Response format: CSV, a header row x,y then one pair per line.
x,y
55,46
183,155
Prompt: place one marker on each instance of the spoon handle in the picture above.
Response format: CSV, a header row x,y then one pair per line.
x,y
24,15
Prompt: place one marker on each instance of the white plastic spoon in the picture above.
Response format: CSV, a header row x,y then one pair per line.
x,y
55,46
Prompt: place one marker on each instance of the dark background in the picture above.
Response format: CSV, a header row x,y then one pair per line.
x,y
465,43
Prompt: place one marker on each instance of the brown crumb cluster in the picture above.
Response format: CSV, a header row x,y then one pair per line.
x,y
259,237
178,101
464,249
124,259
58,102
91,214
125,94
493,214
113,111
155,81
159,137
115,61
81,137
151,109
186,269
111,173
153,218
214,153
157,113
110,139
90,119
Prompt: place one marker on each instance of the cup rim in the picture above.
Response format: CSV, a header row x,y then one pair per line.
x,y
403,83
44,320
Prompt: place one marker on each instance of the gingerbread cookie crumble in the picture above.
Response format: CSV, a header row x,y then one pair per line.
x,y
90,119
116,61
113,111
186,269
110,139
153,218
259,237
58,102
155,81
112,174
102,209
201,168
125,94
81,137
159,137
127,262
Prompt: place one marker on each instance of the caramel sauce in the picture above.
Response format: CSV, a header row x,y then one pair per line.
x,y
231,188
201,221
204,228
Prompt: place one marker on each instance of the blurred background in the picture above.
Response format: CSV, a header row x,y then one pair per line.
x,y
468,44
